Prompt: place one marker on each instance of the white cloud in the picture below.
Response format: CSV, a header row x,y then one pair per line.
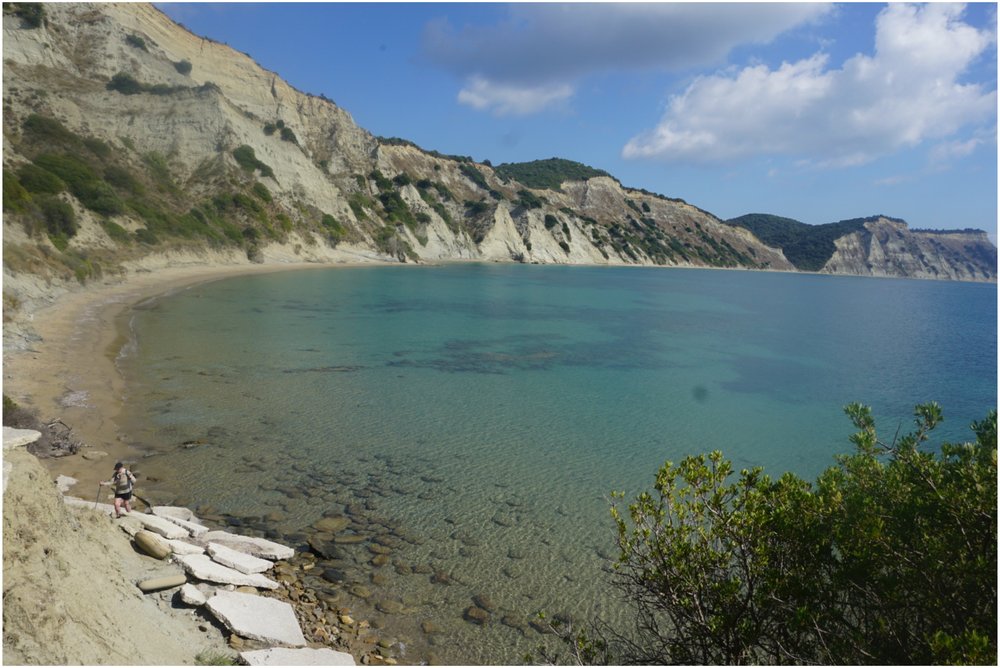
x,y
551,46
506,100
908,92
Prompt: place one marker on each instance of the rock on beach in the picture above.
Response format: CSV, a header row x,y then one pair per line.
x,y
257,617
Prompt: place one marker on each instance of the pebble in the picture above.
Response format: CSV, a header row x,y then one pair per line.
x,y
430,628
485,602
360,591
389,607
514,623
332,524
476,615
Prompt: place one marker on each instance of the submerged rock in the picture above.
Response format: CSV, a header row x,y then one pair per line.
x,y
476,615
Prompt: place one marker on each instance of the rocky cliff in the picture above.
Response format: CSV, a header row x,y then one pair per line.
x,y
128,139
888,248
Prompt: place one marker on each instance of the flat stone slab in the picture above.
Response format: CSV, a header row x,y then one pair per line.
x,y
191,595
178,512
241,561
16,438
165,528
75,502
257,617
305,656
182,547
203,568
64,482
258,547
192,528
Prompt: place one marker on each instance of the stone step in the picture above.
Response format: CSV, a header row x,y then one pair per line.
x,y
258,547
257,618
241,561
203,568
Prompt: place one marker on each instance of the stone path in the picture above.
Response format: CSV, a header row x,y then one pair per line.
x,y
222,558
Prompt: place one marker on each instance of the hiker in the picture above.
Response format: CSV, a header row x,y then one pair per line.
x,y
122,480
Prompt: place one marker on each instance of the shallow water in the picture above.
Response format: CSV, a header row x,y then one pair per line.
x,y
474,418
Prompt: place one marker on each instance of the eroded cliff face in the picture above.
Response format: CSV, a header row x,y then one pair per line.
x,y
186,113
335,188
888,248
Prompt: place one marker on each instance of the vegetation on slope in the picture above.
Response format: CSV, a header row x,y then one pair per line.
x,y
550,173
808,247
137,200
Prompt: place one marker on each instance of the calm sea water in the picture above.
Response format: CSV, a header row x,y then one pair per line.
x,y
476,417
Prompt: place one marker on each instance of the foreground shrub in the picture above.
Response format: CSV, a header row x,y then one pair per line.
x,y
890,557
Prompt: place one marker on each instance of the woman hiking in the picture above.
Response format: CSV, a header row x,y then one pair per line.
x,y
122,480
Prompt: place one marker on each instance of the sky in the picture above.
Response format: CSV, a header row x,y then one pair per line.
x,y
817,112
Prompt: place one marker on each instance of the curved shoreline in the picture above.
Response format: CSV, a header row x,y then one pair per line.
x,y
64,365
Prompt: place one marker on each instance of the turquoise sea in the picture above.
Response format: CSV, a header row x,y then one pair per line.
x,y
475,418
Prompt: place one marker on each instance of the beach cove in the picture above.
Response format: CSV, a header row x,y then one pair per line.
x,y
404,533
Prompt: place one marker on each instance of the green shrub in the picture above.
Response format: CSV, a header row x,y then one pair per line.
x,y
122,179
528,200
136,41
125,84
160,171
381,182
116,231
358,203
270,128
98,147
476,208
550,221
59,217
43,128
474,175
402,179
32,14
247,159
184,67
284,221
127,143
99,197
288,135
38,180
261,191
70,169
146,236
564,246
15,197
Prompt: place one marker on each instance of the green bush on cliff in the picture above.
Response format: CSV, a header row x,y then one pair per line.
x,y
38,180
247,159
889,557
32,14
15,196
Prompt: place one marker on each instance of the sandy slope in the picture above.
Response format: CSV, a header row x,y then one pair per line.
x,y
68,586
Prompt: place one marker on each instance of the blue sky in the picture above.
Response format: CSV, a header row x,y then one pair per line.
x,y
817,112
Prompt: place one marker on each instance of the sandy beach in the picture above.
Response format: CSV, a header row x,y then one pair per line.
x,y
60,360
66,368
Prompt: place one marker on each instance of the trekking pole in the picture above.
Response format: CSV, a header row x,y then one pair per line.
x,y
98,495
